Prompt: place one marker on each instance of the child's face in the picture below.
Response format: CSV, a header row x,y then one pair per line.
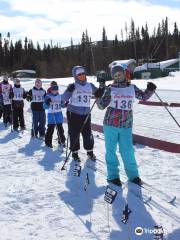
x,y
17,82
38,84
81,76
54,92
119,76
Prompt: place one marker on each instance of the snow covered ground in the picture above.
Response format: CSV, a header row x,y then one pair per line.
x,y
38,201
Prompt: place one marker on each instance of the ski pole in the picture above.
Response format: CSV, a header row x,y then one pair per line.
x,y
12,116
167,109
67,145
85,121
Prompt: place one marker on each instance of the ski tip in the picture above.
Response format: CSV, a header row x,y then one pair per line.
x,y
63,168
148,200
172,201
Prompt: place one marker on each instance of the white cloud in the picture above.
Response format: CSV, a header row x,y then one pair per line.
x,y
62,19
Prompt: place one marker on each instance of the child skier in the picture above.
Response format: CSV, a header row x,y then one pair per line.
x,y
53,83
118,121
53,103
18,94
79,95
5,89
36,95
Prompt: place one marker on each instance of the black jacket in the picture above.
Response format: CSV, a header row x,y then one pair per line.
x,y
36,106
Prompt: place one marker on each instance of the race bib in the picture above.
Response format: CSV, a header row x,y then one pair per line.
x,y
55,105
5,88
81,96
6,99
122,98
38,95
18,94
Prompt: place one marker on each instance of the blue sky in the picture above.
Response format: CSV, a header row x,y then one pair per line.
x,y
171,3
59,20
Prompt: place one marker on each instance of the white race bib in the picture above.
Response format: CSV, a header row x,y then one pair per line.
x,y
6,99
55,105
122,98
18,93
38,95
81,96
5,88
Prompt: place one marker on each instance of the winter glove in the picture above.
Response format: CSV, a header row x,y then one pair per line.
x,y
151,86
11,95
99,92
66,103
48,101
71,87
28,97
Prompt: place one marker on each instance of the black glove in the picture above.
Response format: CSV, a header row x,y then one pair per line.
x,y
48,101
99,92
71,87
66,103
11,95
151,86
28,97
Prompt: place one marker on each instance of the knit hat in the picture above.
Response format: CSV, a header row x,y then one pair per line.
x,y
77,70
5,78
53,83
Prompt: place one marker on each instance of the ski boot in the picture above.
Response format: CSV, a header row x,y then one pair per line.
x,y
62,144
42,137
138,181
76,157
115,181
15,129
91,155
23,128
49,145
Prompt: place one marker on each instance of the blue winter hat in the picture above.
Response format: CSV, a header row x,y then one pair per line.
x,y
55,87
78,69
118,68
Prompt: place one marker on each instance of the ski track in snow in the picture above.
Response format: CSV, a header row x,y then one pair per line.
x,y
38,201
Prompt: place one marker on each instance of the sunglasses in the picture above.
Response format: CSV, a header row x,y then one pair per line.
x,y
80,74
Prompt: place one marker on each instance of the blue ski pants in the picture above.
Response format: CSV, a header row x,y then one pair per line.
x,y
123,138
39,121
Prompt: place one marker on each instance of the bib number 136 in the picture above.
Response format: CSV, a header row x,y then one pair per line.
x,y
123,104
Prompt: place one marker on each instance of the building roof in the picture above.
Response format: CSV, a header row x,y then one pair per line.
x,y
25,71
168,63
161,65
